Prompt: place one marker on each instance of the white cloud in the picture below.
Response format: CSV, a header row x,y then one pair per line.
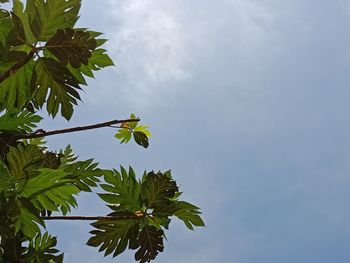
x,y
149,43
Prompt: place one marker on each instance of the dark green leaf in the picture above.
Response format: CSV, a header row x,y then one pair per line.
x,y
71,46
23,160
114,235
51,160
157,189
141,139
42,249
149,243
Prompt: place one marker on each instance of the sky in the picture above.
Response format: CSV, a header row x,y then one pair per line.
x,y
248,104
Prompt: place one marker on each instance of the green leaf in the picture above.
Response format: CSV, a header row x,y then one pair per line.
x,y
124,135
123,190
23,160
132,125
27,34
6,181
63,87
14,91
143,129
27,222
114,235
42,249
23,121
51,190
19,29
157,189
189,214
85,174
97,61
150,243
51,160
73,46
67,156
141,139
6,25
49,16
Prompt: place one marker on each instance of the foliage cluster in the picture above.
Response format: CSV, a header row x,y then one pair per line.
x,y
44,63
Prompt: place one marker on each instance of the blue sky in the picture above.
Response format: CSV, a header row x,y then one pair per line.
x,y
248,103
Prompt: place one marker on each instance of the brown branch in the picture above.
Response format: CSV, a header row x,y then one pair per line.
x,y
17,66
74,129
90,218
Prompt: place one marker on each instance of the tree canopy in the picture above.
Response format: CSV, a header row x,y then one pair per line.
x,y
44,63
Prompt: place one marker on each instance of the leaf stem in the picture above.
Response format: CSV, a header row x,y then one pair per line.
x,y
90,218
42,133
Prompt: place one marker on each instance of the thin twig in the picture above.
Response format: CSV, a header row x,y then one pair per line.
x,y
74,129
90,218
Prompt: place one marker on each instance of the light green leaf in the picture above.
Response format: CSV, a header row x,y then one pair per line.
x,y
124,135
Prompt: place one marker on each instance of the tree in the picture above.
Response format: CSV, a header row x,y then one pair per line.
x,y
44,60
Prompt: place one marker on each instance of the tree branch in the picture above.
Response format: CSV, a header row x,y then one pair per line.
x,y
17,66
90,218
42,133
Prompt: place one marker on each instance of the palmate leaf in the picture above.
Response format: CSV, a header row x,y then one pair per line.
x,y
14,91
149,243
73,46
123,190
63,87
23,121
114,236
85,174
42,249
51,190
48,16
157,189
